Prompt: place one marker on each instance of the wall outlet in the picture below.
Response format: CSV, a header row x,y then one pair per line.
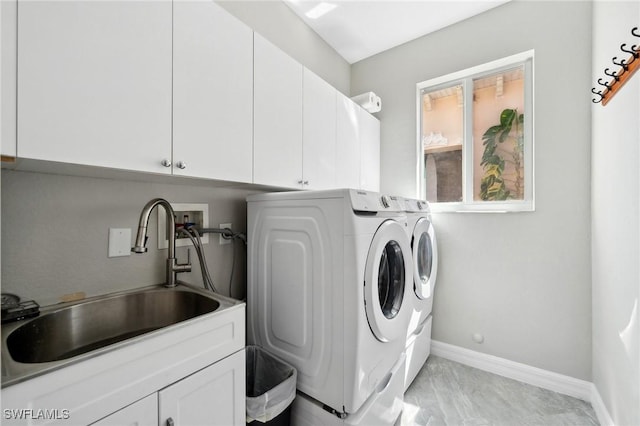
x,y
222,240
193,212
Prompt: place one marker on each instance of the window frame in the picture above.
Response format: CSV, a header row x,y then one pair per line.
x,y
465,78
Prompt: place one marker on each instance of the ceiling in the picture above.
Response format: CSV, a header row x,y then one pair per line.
x,y
357,29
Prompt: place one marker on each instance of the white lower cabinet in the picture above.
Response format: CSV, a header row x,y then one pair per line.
x,y
212,396
140,413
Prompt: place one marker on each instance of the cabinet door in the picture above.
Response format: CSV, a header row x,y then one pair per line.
x,y
213,396
319,133
94,82
369,152
140,413
8,32
277,132
212,93
347,143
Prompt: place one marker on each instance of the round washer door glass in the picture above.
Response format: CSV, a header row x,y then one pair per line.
x,y
391,279
424,258
387,275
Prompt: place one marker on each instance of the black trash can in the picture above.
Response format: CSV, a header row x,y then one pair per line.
x,y
271,388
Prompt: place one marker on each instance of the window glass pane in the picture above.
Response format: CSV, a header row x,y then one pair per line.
x,y
442,135
498,136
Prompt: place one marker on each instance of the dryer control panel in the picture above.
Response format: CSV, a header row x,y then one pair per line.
x,y
365,201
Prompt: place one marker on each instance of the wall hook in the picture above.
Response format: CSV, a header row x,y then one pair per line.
x,y
606,84
612,74
599,93
633,52
633,31
622,63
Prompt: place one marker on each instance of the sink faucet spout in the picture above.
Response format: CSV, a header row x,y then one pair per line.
x,y
140,246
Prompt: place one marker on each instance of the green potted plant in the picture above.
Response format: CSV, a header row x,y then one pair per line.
x,y
494,186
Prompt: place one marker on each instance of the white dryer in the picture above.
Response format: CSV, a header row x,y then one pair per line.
x,y
424,250
329,273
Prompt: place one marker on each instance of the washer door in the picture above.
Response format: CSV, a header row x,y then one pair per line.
x,y
425,258
386,276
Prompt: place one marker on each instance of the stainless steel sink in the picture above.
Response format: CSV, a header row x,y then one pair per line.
x,y
70,332
85,327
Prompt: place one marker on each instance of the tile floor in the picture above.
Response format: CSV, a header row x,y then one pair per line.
x,y
449,393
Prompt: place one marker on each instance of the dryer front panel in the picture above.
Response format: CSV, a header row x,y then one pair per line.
x,y
388,276
425,258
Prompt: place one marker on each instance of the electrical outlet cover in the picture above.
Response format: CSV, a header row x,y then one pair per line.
x,y
119,242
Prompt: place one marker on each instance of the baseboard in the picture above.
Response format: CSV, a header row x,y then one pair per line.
x,y
601,410
514,370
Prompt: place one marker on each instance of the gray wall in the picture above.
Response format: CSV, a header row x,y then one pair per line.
x,y
616,221
279,24
523,280
55,235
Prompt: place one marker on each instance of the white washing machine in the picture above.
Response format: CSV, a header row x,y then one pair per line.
x,y
425,269
329,273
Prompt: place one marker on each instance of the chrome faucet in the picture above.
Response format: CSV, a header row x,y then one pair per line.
x,y
173,267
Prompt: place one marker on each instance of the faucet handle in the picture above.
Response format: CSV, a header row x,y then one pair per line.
x,y
183,267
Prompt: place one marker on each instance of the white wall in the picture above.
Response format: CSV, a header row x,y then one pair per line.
x,y
523,280
616,220
281,26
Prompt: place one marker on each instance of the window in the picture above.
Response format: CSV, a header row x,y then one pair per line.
x,y
475,137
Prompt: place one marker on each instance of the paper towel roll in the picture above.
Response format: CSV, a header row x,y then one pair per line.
x,y
369,101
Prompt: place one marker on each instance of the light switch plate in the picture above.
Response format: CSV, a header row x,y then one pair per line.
x,y
119,242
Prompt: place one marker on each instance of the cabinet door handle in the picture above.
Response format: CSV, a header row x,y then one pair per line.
x,y
170,422
166,162
181,165
303,182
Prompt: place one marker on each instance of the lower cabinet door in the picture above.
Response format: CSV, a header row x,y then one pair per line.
x,y
213,396
141,413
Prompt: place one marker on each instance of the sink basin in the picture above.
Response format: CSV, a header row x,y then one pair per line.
x,y
86,326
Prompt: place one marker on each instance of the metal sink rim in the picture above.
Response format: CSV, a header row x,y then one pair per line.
x,y
14,371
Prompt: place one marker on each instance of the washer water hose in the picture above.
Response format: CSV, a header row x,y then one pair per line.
x,y
194,235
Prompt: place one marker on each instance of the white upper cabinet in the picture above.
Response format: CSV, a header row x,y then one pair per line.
x,y
9,16
212,93
94,82
277,132
347,143
369,152
319,133
358,147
